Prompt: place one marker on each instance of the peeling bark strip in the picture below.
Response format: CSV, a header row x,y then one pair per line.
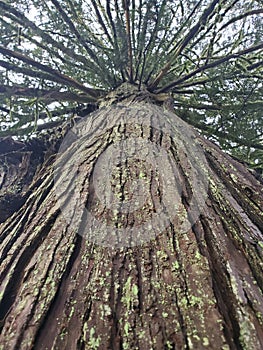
x,y
180,290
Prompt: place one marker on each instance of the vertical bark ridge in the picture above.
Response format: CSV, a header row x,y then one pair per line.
x,y
181,289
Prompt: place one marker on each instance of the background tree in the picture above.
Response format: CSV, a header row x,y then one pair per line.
x,y
193,289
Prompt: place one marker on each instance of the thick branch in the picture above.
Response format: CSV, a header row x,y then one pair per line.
x,y
208,66
191,34
22,20
75,32
51,71
141,42
44,95
101,22
128,34
150,58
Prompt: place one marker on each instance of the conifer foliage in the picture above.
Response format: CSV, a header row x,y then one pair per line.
x,y
58,56
126,228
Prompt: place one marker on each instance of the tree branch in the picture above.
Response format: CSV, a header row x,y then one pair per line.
x,y
75,32
62,77
126,4
22,20
142,29
208,66
148,49
211,131
44,95
101,22
30,129
191,34
238,18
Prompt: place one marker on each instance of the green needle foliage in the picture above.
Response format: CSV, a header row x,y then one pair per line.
x,y
57,57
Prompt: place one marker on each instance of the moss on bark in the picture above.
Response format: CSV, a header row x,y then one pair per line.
x,y
194,289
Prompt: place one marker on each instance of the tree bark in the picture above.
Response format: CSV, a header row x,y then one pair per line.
x,y
19,161
191,285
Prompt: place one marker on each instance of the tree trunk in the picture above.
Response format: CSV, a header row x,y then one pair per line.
x,y
141,235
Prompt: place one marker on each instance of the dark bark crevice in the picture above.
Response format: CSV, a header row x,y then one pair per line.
x,y
221,289
58,301
195,288
13,284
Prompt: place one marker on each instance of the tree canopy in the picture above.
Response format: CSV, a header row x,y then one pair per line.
x,y
58,57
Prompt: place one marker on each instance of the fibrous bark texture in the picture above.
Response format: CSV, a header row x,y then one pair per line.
x,y
141,235
18,164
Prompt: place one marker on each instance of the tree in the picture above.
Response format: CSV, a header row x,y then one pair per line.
x,y
129,229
